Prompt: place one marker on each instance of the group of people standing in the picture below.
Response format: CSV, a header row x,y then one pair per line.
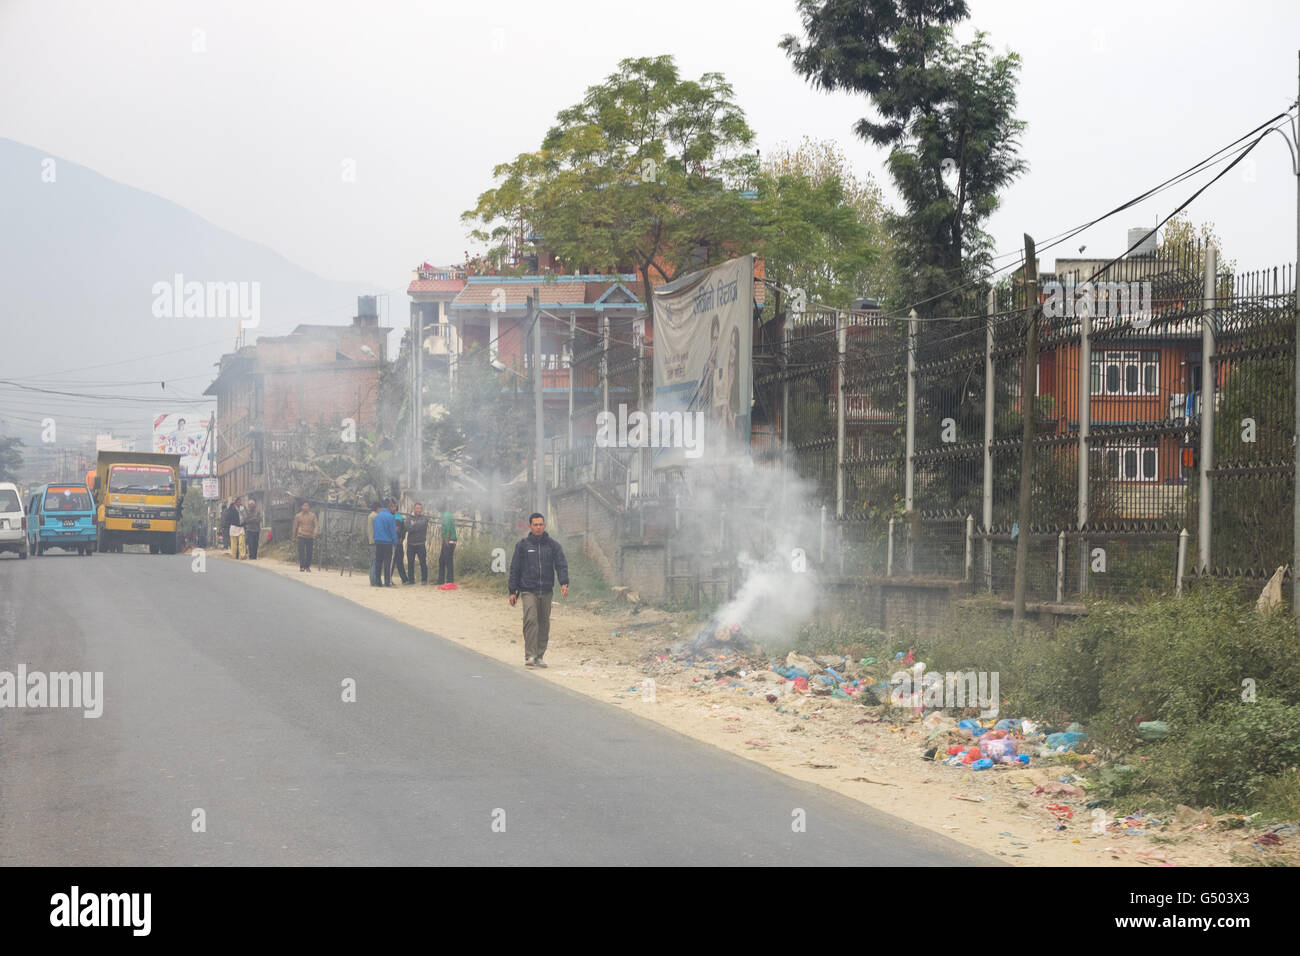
x,y
389,530
241,526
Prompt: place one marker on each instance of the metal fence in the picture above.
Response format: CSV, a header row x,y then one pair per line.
x,y
1180,388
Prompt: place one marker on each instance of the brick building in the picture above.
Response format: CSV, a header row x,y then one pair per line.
x,y
316,375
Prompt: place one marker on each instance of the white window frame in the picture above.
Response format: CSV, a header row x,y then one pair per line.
x,y
1138,473
1124,361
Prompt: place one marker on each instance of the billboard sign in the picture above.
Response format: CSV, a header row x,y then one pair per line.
x,y
703,359
187,435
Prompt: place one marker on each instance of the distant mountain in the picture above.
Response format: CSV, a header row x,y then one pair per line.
x,y
79,260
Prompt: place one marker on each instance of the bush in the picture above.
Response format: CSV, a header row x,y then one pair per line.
x,y
1230,758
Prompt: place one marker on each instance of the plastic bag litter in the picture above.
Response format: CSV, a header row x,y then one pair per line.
x,y
1064,741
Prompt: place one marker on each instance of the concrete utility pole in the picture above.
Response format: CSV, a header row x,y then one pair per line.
x,y
1204,529
1027,413
841,340
539,433
986,512
573,345
418,446
1295,275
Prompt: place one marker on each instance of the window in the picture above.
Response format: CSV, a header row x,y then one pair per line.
x,y
1133,462
1116,372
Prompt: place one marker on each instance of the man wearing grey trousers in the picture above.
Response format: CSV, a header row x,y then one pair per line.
x,y
537,563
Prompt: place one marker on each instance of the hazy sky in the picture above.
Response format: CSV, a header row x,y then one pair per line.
x,y
246,112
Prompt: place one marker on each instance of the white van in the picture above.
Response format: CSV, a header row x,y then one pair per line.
x,y
13,520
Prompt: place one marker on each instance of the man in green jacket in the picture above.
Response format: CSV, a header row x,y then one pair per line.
x,y
446,557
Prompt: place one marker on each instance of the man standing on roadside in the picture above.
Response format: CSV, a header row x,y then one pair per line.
x,y
304,532
385,538
235,518
447,554
417,530
537,563
370,540
398,563
252,528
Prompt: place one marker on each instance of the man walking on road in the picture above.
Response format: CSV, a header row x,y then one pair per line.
x,y
304,532
537,563
252,528
385,538
447,554
235,518
417,530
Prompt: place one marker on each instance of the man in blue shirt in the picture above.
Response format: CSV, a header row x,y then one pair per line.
x,y
385,541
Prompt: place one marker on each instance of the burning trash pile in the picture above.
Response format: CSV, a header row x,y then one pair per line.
x,y
715,637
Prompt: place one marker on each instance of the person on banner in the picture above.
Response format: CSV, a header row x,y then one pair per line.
x,y
252,528
733,410
709,376
304,529
537,563
235,521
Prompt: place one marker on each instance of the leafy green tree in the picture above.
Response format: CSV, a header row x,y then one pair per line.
x,y
822,230
644,174
946,113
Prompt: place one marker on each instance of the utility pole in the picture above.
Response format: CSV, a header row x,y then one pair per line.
x,y
573,343
1027,413
1295,276
990,382
419,402
1209,381
841,345
539,425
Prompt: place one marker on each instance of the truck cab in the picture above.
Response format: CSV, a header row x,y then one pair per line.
x,y
138,501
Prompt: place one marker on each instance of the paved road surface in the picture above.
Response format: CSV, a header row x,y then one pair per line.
x,y
223,691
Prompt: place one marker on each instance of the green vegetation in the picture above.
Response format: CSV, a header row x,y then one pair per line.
x,y
1225,678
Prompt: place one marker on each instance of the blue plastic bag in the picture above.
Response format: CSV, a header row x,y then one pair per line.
x,y
1064,741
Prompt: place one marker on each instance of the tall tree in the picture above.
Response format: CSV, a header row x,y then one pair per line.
x,y
644,174
946,113
821,229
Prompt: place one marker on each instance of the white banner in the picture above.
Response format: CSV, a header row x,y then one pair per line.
x,y
186,435
703,357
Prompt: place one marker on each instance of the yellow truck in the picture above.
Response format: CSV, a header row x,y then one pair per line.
x,y
138,501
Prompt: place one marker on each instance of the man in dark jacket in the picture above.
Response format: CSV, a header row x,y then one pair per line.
x,y
398,563
537,563
252,528
417,531
234,522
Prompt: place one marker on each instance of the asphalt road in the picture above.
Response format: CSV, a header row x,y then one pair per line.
x,y
223,691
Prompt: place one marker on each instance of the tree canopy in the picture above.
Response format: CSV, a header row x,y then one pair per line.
x,y
645,174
